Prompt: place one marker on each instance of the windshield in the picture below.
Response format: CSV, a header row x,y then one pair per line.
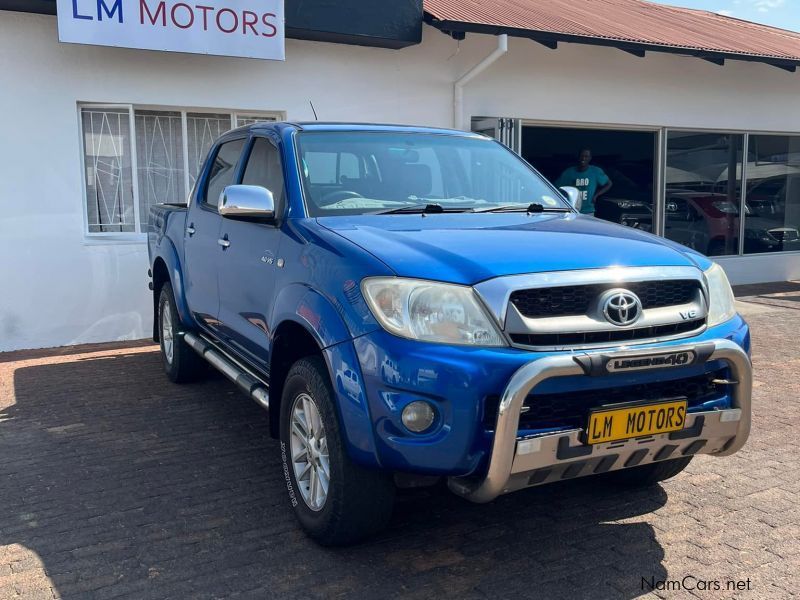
x,y
346,173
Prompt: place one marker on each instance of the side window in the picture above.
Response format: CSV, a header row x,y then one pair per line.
x,y
264,169
222,170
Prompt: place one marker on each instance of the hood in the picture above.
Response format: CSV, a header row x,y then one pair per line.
x,y
467,247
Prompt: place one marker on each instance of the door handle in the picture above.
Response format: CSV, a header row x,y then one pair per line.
x,y
190,230
223,242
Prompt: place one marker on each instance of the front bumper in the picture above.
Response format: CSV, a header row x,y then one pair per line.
x,y
515,462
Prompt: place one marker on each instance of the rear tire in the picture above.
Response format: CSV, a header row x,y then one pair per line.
x,y
648,475
336,501
181,363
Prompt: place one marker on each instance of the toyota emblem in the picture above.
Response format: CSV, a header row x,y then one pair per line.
x,y
621,307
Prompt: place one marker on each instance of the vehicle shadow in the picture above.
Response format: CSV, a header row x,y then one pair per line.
x,y
125,484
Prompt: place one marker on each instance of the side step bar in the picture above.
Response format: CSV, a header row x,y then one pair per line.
x,y
251,386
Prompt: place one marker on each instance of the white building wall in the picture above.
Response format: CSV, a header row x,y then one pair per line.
x,y
59,287
592,84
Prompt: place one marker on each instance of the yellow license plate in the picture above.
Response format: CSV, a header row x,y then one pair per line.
x,y
610,425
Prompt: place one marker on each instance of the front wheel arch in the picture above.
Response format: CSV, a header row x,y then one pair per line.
x,y
290,343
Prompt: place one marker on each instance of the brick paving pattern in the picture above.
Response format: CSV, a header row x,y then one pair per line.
x,y
116,483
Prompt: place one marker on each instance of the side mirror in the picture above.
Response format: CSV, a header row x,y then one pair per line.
x,y
573,196
247,202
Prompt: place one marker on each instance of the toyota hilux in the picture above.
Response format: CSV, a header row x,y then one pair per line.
x,y
412,304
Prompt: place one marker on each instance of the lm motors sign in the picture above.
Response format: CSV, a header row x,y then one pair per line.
x,y
248,28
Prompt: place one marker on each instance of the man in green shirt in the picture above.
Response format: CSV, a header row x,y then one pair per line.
x,y
591,181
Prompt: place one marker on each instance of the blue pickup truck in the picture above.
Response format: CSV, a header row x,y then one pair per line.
x,y
414,305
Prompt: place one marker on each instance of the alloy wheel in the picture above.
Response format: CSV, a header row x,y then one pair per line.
x,y
309,447
167,337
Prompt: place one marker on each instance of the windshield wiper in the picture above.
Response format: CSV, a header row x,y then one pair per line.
x,y
531,208
433,208
537,208
425,209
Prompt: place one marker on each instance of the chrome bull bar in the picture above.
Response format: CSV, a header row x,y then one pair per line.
x,y
510,468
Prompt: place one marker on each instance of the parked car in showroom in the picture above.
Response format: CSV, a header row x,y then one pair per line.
x,y
493,336
709,222
627,203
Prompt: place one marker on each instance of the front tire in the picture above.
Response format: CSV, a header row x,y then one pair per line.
x,y
181,363
647,475
335,500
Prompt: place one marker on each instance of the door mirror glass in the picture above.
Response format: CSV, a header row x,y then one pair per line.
x,y
247,202
573,195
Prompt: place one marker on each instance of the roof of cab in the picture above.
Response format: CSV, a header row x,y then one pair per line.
x,y
336,126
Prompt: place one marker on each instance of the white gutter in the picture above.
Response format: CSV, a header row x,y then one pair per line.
x,y
458,86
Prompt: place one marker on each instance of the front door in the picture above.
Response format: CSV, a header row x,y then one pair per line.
x,y
249,263
201,238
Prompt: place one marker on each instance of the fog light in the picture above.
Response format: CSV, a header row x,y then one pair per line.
x,y
418,416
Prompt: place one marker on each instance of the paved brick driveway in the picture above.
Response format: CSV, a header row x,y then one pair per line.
x,y
114,482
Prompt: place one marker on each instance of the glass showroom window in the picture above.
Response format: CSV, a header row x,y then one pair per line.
x,y
703,190
165,149
772,215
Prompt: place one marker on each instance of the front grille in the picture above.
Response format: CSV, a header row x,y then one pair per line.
x,y
783,235
573,300
571,409
583,338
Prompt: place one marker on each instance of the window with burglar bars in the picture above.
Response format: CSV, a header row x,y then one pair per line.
x,y
136,157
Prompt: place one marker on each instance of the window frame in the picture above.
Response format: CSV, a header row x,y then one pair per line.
x,y
663,164
661,130
745,180
139,235
135,235
746,191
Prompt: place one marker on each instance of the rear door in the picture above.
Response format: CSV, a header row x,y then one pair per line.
x,y
250,262
201,238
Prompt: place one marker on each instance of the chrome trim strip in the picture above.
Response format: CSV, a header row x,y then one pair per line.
x,y
496,292
598,345
527,377
516,322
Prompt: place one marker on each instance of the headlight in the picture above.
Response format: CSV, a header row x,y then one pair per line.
x,y
434,312
726,206
721,304
759,234
630,203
